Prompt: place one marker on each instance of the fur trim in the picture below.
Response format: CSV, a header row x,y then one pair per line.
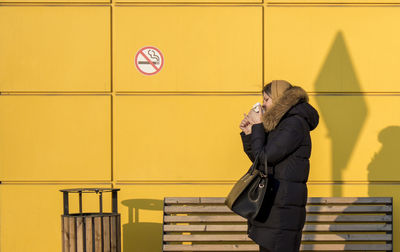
x,y
279,107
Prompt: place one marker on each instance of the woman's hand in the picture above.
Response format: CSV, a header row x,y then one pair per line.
x,y
255,117
245,125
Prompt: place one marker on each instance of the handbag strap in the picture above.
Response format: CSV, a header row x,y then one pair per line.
x,y
267,169
255,163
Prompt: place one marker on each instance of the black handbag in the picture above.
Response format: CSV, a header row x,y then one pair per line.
x,y
248,194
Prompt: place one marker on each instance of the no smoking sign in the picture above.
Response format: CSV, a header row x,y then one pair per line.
x,y
149,60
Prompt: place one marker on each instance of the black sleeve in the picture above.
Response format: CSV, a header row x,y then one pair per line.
x,y
289,135
246,140
257,138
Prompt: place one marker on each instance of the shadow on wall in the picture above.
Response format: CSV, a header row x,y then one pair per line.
x,y
141,236
385,161
344,115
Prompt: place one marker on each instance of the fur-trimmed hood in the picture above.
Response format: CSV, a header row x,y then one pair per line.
x,y
292,101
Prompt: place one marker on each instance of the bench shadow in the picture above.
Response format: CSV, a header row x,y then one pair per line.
x,y
141,236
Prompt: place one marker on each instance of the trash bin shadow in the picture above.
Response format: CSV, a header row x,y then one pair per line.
x,y
141,236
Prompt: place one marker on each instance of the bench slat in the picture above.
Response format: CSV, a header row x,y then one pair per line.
x,y
204,218
309,209
204,228
349,200
222,247
213,237
346,237
307,228
194,200
348,218
305,237
348,228
309,218
254,247
349,209
310,200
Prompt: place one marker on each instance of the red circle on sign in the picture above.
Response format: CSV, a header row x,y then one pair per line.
x,y
148,60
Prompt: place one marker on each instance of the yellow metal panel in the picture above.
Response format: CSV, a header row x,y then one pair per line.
x,y
54,48
55,138
30,218
328,49
169,137
349,189
179,141
332,3
213,48
357,139
56,1
194,1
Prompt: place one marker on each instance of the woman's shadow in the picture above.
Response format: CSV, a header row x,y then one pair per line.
x,y
384,164
141,236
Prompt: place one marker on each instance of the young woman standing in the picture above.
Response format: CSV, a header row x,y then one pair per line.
x,y
280,130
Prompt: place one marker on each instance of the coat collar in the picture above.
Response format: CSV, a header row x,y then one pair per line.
x,y
288,99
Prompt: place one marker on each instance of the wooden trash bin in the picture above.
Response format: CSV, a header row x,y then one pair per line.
x,y
91,232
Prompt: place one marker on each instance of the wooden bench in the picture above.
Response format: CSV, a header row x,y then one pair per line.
x,y
332,224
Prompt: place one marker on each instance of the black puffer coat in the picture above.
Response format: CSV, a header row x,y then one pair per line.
x,y
284,139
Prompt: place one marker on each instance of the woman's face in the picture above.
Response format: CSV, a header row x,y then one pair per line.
x,y
267,101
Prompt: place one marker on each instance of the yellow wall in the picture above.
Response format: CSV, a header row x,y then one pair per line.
x,y
76,113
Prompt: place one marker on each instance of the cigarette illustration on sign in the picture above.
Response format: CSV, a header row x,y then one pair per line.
x,y
149,60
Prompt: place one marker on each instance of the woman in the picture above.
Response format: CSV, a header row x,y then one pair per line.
x,y
282,134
